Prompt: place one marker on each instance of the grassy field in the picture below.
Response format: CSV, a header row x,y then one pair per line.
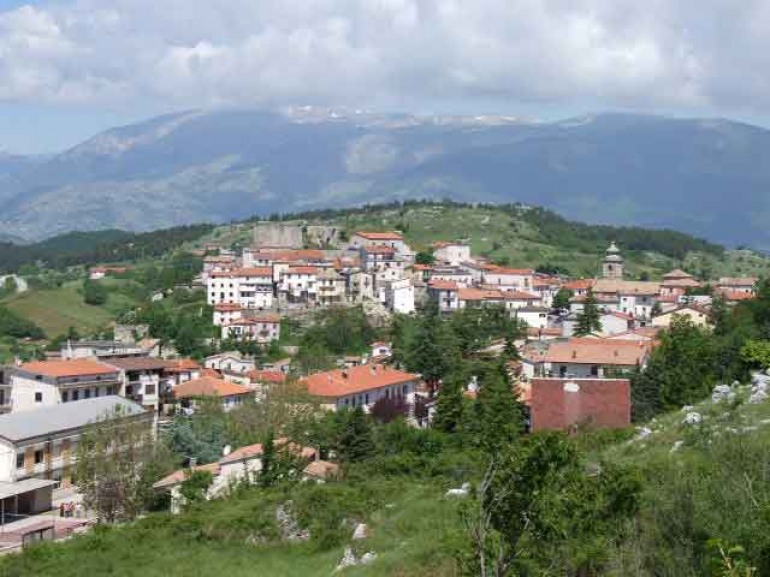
x,y
56,310
413,531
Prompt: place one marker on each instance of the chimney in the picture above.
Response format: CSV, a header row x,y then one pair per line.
x,y
344,374
574,354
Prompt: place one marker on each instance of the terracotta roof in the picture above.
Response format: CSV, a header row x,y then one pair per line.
x,y
606,285
680,282
380,235
474,294
302,270
179,476
519,296
547,332
264,376
677,273
597,352
253,271
321,469
579,284
379,249
183,365
138,363
341,382
735,295
209,387
444,285
73,368
562,403
255,319
227,307
214,374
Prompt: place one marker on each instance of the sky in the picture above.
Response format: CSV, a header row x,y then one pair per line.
x,y
71,68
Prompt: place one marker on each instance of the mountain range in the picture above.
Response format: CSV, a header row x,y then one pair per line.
x,y
709,178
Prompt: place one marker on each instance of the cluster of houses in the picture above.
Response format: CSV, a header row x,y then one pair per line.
x,y
564,380
248,290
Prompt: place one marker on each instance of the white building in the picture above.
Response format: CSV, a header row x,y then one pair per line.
x,y
399,296
392,239
251,288
44,383
451,253
42,443
518,279
361,386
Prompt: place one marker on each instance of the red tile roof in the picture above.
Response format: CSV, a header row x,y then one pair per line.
x,y
444,285
227,307
264,376
609,352
209,387
179,476
474,294
735,295
580,284
341,382
253,271
73,368
562,403
379,249
309,270
519,296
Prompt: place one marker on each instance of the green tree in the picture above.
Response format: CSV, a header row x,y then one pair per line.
x,y
449,405
562,297
424,257
195,486
355,442
589,319
498,412
756,353
681,370
117,463
535,500
94,293
268,476
433,354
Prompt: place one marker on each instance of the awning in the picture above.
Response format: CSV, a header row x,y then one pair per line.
x,y
25,486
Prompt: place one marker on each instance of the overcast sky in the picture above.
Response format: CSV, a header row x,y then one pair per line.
x,y
69,68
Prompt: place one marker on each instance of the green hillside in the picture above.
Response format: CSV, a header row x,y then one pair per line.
x,y
712,486
531,237
55,310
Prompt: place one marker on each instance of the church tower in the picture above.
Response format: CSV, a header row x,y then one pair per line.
x,y
613,263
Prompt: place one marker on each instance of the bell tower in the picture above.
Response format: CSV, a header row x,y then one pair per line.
x,y
613,263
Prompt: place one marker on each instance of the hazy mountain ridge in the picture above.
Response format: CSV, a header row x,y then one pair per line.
x,y
706,177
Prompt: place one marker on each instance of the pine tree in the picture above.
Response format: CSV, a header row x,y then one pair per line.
x,y
434,353
267,476
589,319
355,440
498,410
449,406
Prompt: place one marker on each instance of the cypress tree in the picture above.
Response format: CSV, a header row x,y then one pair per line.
x,y
449,406
589,320
498,411
355,442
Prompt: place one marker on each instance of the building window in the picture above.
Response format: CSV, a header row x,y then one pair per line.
x,y
87,393
75,395
65,396
19,460
38,397
38,456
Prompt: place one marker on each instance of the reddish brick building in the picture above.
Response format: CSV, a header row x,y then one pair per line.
x,y
564,403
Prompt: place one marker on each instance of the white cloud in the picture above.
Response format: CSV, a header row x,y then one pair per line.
x,y
195,52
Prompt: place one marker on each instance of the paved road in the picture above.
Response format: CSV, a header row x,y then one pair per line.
x,y
21,284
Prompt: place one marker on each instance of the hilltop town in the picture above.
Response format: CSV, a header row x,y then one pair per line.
x,y
287,361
